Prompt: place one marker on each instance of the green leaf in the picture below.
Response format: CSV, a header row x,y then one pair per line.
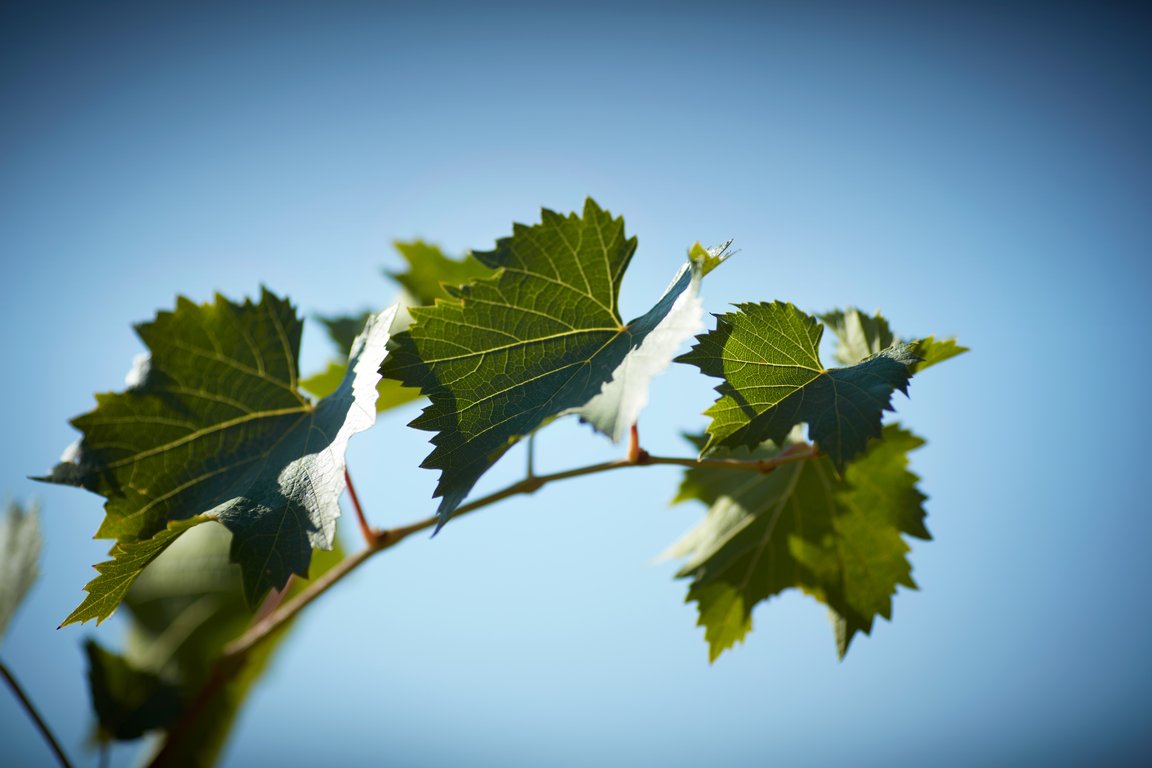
x,y
860,336
129,559
128,701
19,554
430,271
931,352
802,526
540,338
767,356
214,426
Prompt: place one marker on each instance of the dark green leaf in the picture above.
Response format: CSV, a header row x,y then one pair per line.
x,y
802,526
767,356
19,554
214,426
128,701
540,338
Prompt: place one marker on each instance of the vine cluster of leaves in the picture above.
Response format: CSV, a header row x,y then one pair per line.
x,y
217,452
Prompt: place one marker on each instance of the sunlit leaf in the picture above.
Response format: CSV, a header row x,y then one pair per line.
x,y
802,526
540,338
767,356
215,428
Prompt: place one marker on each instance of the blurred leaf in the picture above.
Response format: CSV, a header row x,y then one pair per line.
x,y
215,427
128,701
802,526
183,610
860,336
19,553
429,271
931,352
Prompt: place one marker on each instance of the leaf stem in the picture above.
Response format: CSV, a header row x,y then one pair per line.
x,y
368,532
635,452
33,713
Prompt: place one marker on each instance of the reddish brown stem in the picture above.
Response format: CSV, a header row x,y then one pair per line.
x,y
366,530
636,454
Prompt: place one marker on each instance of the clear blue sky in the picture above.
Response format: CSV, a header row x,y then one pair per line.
x,y
972,169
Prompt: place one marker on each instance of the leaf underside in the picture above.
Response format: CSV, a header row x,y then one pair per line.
x,y
539,338
767,356
216,428
837,538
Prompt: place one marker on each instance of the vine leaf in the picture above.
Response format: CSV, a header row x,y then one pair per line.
x,y
860,336
767,356
19,555
214,427
615,409
540,338
128,701
129,559
837,538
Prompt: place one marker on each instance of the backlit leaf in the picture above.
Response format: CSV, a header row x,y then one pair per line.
x,y
539,338
767,356
802,526
214,427
860,336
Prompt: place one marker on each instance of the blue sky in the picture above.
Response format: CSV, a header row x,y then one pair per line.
x,y
971,169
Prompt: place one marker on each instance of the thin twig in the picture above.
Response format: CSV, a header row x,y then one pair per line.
x,y
386,539
30,708
233,656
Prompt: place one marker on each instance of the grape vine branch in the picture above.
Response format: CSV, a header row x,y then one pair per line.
x,y
217,426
